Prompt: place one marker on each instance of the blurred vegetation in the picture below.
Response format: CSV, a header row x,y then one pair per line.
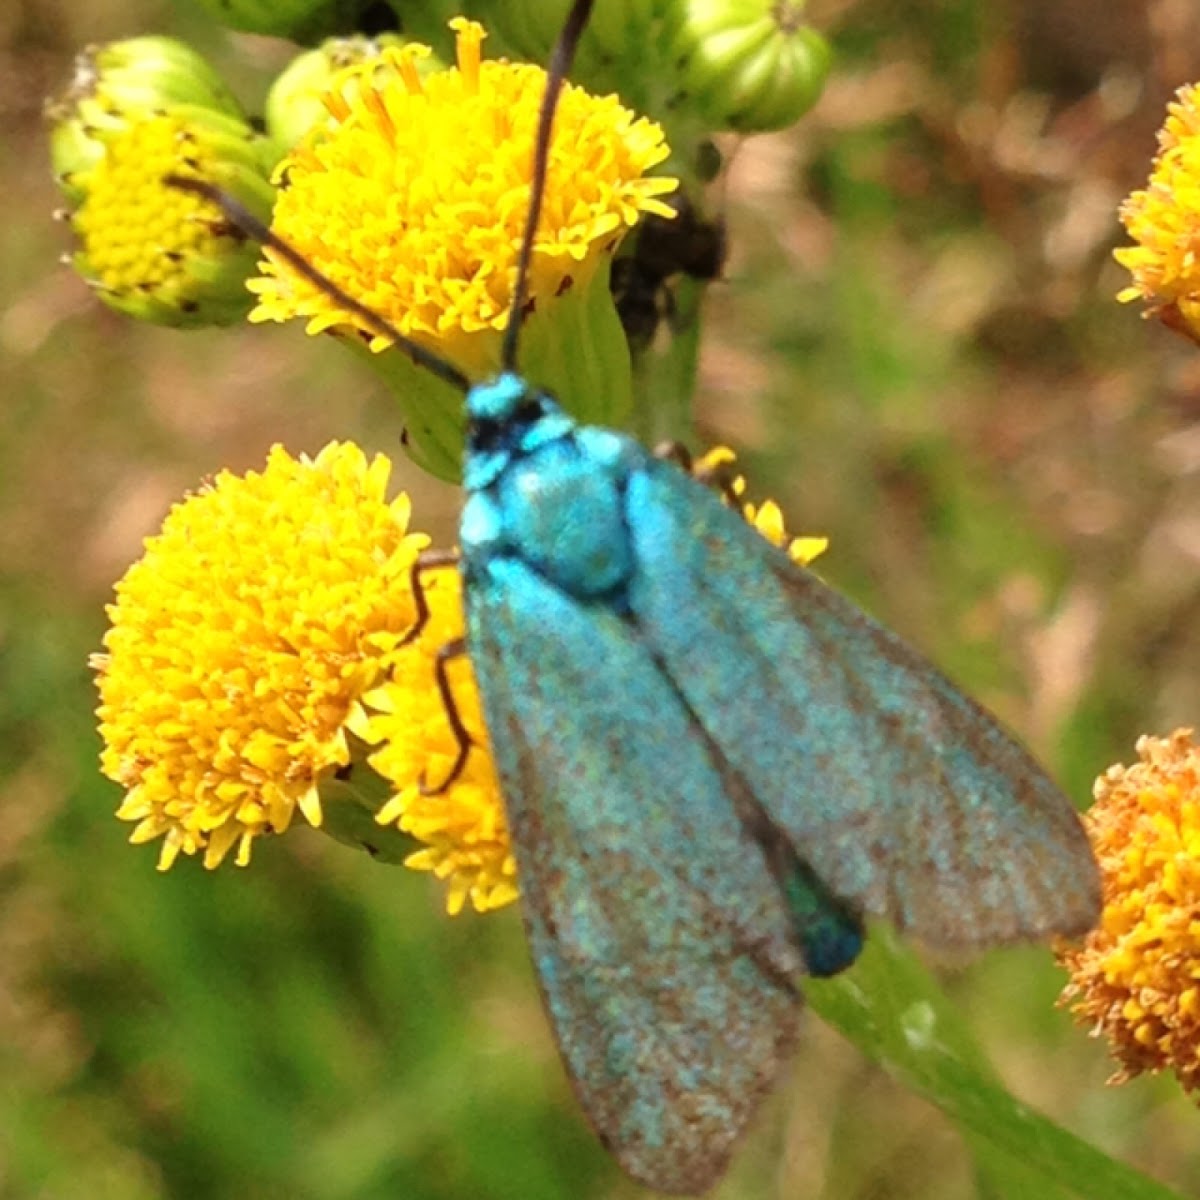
x,y
917,350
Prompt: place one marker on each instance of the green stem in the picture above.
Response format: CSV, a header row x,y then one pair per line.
x,y
890,1006
349,805
431,409
665,375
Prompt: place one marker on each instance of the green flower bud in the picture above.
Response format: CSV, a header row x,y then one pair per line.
x,y
155,252
121,82
619,28
624,47
349,803
527,28
295,103
304,21
749,65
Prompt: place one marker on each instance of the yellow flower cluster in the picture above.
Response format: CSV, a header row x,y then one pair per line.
x,y
136,231
262,657
260,648
1136,978
414,199
242,644
1164,220
152,250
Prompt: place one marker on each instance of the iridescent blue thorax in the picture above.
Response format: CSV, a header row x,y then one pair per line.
x,y
545,491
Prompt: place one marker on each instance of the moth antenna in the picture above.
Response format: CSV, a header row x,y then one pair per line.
x,y
556,73
248,224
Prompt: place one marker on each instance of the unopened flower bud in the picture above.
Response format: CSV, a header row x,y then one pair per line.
x,y
155,252
121,82
304,21
749,65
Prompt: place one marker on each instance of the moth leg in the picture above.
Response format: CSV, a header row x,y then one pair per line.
x,y
449,652
437,560
428,560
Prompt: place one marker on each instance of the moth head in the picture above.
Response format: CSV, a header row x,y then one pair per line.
x,y
507,399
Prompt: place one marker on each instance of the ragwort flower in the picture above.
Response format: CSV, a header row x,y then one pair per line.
x,y
413,201
1164,220
157,253
260,661
242,644
117,83
135,112
1135,979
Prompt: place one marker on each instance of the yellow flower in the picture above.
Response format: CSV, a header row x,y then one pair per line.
x,y
463,826
157,253
413,201
242,645
1164,220
1136,978
117,83
766,517
416,202
259,662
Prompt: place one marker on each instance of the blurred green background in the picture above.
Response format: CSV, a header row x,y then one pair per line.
x,y
916,348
